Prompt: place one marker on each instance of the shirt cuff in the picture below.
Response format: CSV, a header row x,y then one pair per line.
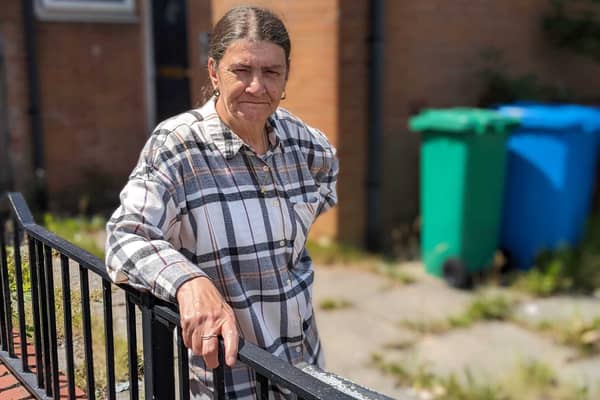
x,y
172,277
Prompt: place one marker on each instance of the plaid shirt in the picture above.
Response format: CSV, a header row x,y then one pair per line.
x,y
200,202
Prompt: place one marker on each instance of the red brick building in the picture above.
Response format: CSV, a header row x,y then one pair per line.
x,y
102,86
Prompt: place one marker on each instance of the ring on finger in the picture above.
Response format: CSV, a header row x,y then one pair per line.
x,y
207,337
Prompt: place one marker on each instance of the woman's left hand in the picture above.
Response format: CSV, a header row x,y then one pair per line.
x,y
204,316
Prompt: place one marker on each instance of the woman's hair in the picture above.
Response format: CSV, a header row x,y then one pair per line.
x,y
246,22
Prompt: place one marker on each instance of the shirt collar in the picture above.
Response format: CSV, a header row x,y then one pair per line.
x,y
228,143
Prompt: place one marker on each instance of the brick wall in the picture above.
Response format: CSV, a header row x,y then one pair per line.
x,y
432,53
92,98
17,122
312,90
93,87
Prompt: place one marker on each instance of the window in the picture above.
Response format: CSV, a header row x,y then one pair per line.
x,y
86,10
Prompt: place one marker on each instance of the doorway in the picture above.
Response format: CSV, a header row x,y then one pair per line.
x,y
172,83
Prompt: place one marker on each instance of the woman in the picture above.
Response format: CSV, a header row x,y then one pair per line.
x,y
216,213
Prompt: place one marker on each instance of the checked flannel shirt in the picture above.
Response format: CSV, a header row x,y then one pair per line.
x,y
200,202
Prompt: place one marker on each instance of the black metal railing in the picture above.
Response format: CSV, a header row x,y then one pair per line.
x,y
44,360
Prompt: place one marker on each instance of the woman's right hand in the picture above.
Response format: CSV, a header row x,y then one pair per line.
x,y
205,315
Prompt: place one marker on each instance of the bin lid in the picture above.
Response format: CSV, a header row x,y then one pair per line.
x,y
462,120
554,116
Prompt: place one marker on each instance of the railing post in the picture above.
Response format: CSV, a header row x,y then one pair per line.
x,y
17,235
159,378
7,328
159,320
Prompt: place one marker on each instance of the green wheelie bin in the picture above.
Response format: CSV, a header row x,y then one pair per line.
x,y
463,156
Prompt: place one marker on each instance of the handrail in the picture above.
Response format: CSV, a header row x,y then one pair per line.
x,y
159,320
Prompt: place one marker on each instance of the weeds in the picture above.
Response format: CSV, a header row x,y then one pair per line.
x,y
529,380
80,231
330,304
482,308
429,385
566,269
12,274
26,288
99,359
98,337
341,254
400,345
395,274
550,275
424,327
337,253
583,336
533,380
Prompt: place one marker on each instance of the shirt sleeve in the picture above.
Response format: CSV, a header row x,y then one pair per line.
x,y
141,233
325,168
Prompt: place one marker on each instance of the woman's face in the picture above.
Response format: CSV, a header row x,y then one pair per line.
x,y
251,78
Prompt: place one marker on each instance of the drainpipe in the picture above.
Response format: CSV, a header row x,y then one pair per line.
x,y
375,138
37,143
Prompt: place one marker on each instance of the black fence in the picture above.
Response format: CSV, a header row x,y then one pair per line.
x,y
45,292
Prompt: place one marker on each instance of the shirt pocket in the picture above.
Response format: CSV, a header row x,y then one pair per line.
x,y
305,213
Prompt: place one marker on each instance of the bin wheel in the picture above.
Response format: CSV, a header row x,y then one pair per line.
x,y
456,274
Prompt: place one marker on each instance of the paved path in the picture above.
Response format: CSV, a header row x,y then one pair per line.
x,y
490,350
10,387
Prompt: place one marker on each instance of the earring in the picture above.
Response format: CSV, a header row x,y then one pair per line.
x,y
216,92
283,95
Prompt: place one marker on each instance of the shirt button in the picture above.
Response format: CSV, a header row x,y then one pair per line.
x,y
282,243
276,203
298,349
289,282
265,168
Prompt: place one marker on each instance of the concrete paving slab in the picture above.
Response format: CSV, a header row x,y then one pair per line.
x,y
489,350
584,372
350,337
559,309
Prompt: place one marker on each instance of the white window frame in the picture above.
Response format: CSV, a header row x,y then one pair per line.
x,y
86,11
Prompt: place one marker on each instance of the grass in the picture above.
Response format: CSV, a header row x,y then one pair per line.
x,y
97,322
482,308
533,380
98,341
80,231
334,253
12,275
529,380
429,385
581,335
425,327
401,345
330,304
550,276
325,253
566,269
99,359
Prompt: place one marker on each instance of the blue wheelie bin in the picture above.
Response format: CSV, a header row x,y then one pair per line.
x,y
550,178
